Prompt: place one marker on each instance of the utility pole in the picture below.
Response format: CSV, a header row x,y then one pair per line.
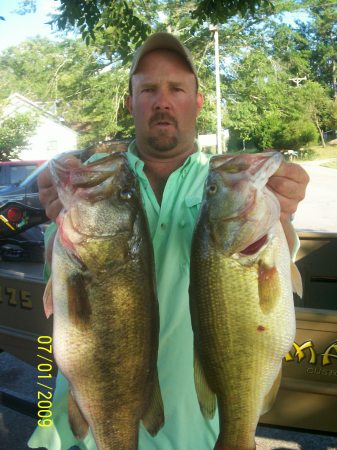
x,y
214,28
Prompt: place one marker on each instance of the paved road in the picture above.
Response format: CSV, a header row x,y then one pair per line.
x,y
318,211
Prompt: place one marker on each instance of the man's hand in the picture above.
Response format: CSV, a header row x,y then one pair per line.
x,y
47,190
289,183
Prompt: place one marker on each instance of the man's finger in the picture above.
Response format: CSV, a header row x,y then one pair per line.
x,y
292,171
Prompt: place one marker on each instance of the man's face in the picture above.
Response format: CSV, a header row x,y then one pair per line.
x,y
164,104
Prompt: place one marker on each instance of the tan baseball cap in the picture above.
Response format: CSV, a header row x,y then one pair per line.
x,y
161,40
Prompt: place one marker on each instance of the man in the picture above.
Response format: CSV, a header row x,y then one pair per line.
x,y
164,101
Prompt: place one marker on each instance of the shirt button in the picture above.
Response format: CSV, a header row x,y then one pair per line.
x,y
163,226
182,223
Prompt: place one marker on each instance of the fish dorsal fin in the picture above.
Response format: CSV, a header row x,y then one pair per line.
x,y
77,422
271,396
206,397
48,299
153,419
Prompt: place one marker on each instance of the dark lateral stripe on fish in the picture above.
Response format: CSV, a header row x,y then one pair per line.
x,y
79,308
255,247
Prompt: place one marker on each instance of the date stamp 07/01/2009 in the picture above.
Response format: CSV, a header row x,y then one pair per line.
x,y
45,367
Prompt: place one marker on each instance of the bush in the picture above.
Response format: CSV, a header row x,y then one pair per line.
x,y
296,134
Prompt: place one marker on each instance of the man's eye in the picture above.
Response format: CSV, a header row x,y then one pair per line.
x,y
149,89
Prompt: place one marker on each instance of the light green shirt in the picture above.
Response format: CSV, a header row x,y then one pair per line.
x,y
171,227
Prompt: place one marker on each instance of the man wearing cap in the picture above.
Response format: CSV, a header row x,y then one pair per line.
x,y
164,101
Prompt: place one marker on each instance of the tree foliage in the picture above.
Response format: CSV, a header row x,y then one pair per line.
x,y
14,134
125,25
277,78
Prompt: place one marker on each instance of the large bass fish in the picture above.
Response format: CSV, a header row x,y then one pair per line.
x,y
102,295
241,295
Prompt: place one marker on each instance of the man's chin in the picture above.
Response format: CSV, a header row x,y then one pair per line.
x,y
163,144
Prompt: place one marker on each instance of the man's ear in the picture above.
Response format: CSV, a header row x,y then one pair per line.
x,y
200,102
128,103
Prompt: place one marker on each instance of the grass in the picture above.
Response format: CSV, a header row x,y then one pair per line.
x,y
318,152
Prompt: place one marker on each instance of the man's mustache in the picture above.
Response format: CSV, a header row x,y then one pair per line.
x,y
162,117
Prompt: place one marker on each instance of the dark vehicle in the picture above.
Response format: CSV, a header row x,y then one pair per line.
x,y
21,213
21,236
25,246
26,192
21,216
13,173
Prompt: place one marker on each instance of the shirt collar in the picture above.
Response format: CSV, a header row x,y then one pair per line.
x,y
137,164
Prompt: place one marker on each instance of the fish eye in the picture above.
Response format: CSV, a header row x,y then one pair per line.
x,y
126,194
212,189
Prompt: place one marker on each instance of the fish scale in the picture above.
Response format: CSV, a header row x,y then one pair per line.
x,y
241,305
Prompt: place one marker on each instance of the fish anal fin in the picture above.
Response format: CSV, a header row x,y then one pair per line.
x,y
48,299
78,423
271,396
153,418
296,280
206,397
269,287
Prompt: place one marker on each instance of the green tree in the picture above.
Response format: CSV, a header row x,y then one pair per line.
x,y
72,77
259,57
125,25
321,35
14,134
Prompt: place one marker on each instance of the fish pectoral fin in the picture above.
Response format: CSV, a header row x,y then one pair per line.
x,y
79,308
48,299
292,238
206,397
154,419
271,396
78,424
269,287
296,280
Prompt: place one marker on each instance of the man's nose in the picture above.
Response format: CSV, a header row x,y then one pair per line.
x,y
162,100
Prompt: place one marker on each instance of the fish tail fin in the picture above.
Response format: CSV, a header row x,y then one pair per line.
x,y
206,397
271,396
78,423
48,299
154,419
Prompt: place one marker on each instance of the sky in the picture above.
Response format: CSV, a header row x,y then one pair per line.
x,y
16,28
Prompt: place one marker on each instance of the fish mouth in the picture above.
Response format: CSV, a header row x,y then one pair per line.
x,y
255,246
